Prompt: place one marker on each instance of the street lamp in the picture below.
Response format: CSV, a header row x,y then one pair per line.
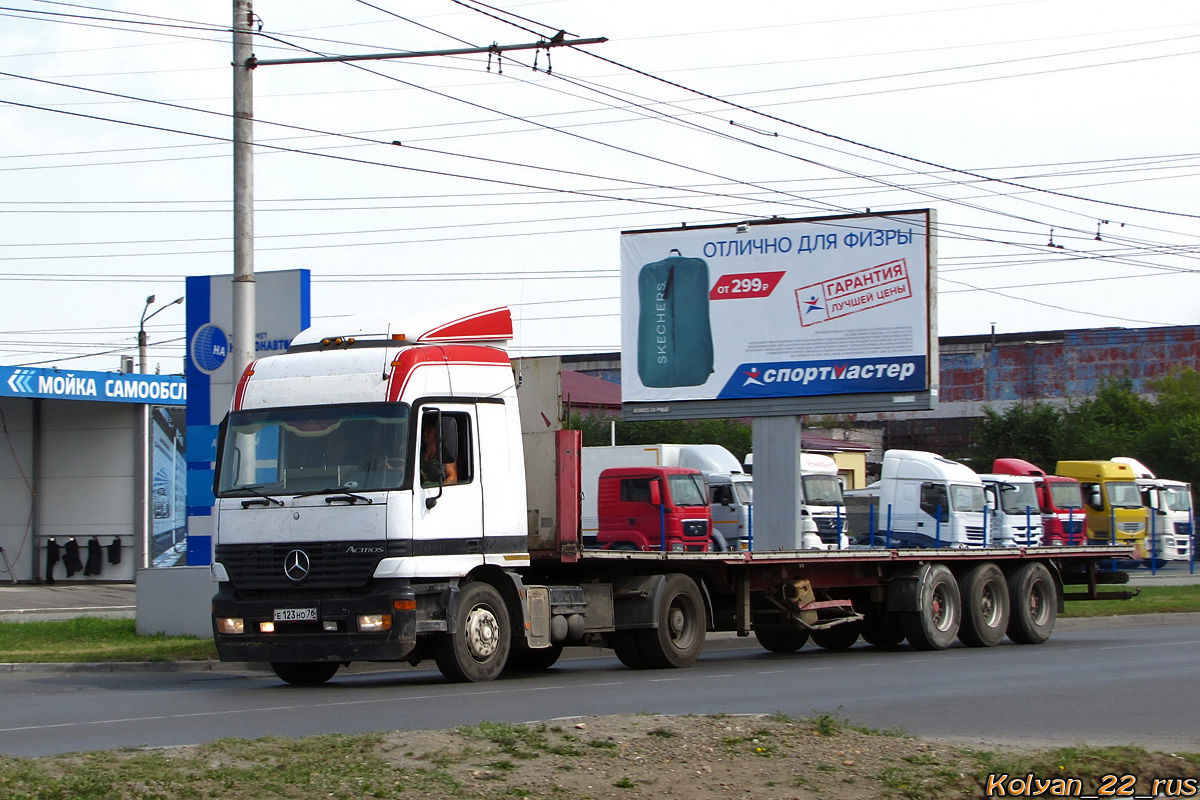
x,y
142,329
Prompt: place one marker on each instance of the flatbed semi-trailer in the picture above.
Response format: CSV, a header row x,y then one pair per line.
x,y
382,498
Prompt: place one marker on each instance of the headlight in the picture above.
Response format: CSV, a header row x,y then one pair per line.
x,y
374,623
230,625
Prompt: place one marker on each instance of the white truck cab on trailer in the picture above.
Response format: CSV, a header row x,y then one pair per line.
x,y
1169,508
822,504
1014,517
921,500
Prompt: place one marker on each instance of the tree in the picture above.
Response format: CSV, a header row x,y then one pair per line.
x,y
1032,432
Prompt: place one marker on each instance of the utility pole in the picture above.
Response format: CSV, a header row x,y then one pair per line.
x,y
244,322
244,63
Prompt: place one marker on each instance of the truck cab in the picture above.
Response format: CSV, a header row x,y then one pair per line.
x,y
1059,498
925,500
653,508
730,489
1113,508
823,506
1014,516
1169,513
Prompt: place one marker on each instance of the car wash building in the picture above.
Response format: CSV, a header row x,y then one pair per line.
x,y
92,474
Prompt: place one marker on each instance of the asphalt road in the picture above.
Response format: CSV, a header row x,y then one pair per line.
x,y
1109,682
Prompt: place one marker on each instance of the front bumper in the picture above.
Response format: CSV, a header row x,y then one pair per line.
x,y
332,636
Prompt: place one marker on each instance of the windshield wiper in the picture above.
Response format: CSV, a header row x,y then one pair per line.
x,y
254,490
345,493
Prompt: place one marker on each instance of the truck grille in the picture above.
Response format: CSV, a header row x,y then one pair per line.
x,y
1183,529
829,529
330,564
695,528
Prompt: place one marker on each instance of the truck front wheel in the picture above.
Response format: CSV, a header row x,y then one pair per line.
x,y
304,673
1034,604
477,650
677,640
934,623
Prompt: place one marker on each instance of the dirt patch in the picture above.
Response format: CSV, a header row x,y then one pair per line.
x,y
698,758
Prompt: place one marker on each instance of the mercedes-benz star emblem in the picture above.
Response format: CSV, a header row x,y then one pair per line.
x,y
296,565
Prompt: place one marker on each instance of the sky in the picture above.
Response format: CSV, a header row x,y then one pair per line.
x,y
1056,141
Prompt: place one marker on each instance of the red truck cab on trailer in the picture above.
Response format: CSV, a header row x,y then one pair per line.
x,y
1060,499
653,508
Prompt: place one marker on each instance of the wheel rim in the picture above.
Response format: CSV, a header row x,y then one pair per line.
x,y
989,606
679,628
1039,607
482,633
942,610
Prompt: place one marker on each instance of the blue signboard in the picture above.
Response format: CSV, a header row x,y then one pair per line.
x,y
109,387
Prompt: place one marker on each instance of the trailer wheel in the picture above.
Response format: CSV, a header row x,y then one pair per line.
x,y
780,639
677,640
985,606
882,629
478,648
528,659
1034,603
934,623
304,673
839,637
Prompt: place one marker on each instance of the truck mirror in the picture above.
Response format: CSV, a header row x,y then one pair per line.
x,y
655,493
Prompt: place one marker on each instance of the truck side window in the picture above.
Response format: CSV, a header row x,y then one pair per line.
x,y
635,490
1092,496
454,461
722,495
933,498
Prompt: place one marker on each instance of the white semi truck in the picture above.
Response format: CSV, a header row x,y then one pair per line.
x,y
1169,513
1014,517
383,496
730,489
822,506
920,500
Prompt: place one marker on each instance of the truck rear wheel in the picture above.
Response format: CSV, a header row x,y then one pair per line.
x,y
985,606
839,637
477,650
934,623
522,658
780,639
881,629
677,640
304,673
1034,601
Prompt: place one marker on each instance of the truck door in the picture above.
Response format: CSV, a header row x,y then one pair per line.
x,y
448,508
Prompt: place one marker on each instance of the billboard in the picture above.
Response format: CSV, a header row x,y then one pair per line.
x,y
282,309
780,317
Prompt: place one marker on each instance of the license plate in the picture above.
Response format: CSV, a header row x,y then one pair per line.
x,y
294,614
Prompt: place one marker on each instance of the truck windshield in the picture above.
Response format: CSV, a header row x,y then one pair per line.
x,y
966,498
1065,494
745,491
313,450
1177,498
1015,498
1123,494
687,490
822,490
